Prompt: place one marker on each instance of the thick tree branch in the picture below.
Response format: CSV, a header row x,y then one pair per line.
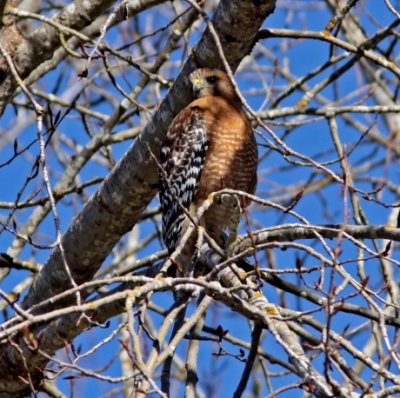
x,y
41,44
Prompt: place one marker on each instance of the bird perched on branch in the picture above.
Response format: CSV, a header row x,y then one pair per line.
x,y
209,146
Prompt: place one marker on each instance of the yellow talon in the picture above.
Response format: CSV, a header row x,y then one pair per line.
x,y
271,309
242,274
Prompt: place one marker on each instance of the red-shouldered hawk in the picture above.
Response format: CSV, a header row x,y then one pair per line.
x,y
209,146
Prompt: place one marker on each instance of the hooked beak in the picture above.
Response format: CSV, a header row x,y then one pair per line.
x,y
197,86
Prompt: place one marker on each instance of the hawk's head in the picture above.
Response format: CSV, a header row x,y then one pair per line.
x,y
214,82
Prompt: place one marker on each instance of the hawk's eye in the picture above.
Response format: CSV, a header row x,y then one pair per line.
x,y
211,79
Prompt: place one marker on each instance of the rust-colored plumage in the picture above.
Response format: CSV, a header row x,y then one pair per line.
x,y
209,146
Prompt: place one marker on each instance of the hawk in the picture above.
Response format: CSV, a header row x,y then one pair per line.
x,y
209,146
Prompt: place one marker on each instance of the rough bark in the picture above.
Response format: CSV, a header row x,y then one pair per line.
x,y
39,46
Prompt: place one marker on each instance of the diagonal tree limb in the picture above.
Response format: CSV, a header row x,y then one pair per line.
x,y
127,190
31,51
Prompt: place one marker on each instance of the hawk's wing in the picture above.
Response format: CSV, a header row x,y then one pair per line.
x,y
182,158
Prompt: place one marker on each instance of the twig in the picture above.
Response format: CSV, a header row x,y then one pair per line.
x,y
255,341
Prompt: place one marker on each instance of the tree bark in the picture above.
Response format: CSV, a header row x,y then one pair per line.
x,y
29,52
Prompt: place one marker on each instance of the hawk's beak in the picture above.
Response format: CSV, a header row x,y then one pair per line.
x,y
197,86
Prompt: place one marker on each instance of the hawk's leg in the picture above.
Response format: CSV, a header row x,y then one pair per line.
x,y
190,271
232,202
